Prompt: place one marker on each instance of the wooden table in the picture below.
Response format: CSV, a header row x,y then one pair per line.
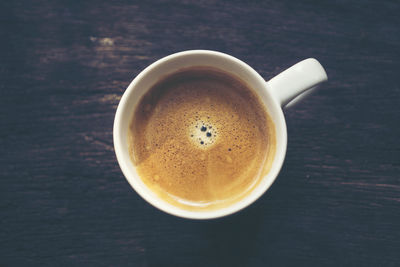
x,y
64,201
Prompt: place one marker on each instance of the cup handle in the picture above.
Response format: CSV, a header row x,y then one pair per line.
x,y
296,80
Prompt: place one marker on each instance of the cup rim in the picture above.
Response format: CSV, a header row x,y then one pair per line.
x,y
174,210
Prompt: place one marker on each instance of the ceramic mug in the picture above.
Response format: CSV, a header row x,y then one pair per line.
x,y
275,94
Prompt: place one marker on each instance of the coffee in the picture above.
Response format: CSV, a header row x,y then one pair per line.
x,y
201,139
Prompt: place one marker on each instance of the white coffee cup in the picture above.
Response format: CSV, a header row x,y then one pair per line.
x,y
275,94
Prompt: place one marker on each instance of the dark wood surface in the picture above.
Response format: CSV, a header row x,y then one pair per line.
x,y
64,201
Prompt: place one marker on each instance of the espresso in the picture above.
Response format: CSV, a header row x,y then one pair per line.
x,y
200,138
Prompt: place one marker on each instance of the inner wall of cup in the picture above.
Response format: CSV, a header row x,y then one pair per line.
x,y
168,65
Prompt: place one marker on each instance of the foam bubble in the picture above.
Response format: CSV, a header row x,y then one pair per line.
x,y
203,133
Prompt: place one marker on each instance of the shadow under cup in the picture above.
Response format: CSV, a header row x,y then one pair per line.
x,y
168,65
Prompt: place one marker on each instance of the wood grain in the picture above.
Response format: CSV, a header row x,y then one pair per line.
x,y
64,201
